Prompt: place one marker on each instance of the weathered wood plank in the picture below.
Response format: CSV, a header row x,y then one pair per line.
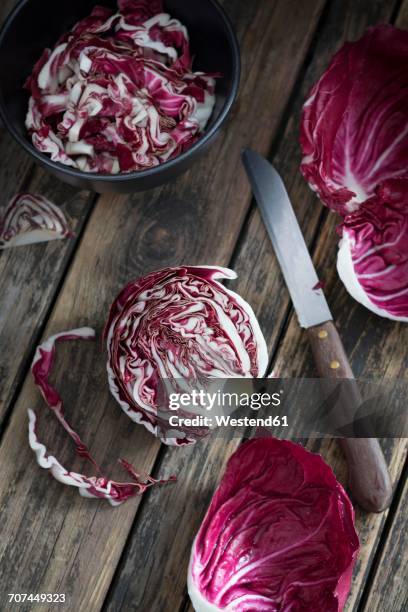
x,y
5,8
377,349
159,546
389,589
59,541
30,276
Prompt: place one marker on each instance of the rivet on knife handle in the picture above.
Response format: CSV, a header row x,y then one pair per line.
x,y
369,481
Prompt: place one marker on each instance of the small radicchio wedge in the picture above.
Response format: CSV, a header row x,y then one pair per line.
x,y
29,219
354,131
373,252
118,92
89,486
278,535
182,324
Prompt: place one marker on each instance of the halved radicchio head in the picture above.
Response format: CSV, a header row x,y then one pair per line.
x,y
177,323
278,535
118,92
180,324
354,137
29,219
373,252
354,131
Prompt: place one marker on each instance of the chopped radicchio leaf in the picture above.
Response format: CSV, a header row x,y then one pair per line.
x,y
89,486
29,219
354,132
118,93
373,252
319,285
178,323
278,535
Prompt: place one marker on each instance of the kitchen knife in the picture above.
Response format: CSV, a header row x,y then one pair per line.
x,y
369,480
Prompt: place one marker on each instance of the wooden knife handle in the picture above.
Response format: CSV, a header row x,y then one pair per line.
x,y
369,480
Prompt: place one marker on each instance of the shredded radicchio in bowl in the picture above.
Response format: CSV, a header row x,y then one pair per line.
x,y
118,92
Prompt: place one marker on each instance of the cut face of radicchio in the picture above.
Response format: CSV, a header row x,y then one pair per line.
x,y
373,252
354,132
30,218
117,93
279,535
89,486
178,323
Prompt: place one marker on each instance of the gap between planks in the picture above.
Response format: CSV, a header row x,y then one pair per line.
x,y
53,499
126,575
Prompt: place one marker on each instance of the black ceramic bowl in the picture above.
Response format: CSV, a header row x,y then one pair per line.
x,y
37,24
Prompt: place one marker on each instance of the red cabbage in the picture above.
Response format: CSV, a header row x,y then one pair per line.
x,y
278,536
354,132
178,323
89,486
118,93
373,252
29,219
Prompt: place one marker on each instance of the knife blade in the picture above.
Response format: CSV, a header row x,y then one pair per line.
x,y
369,480
287,239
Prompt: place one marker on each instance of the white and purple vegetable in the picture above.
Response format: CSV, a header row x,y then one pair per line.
x,y
354,130
373,252
354,138
118,92
279,535
178,323
29,219
88,486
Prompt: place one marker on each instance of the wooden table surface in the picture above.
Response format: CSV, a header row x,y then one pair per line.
x,y
135,557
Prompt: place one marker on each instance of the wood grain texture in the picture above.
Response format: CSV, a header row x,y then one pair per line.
x,y
5,8
57,540
158,554
389,589
368,479
30,276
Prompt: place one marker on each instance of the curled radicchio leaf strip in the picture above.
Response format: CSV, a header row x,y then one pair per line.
x,y
118,92
29,219
279,535
180,324
89,486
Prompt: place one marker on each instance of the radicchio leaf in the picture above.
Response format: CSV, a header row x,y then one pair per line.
x,y
29,219
118,92
89,486
354,131
278,535
178,323
373,252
